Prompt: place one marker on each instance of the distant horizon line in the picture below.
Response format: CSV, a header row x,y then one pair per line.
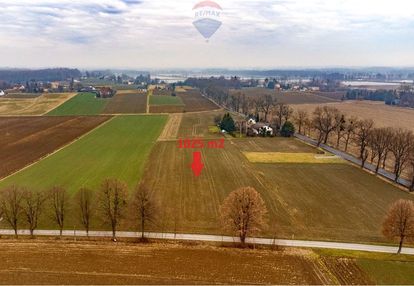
x,y
212,68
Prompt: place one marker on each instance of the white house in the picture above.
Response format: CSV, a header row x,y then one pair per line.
x,y
2,93
260,129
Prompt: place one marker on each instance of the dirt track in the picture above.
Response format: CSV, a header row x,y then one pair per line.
x,y
27,139
170,131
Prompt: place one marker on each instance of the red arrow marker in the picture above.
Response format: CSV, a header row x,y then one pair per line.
x,y
197,165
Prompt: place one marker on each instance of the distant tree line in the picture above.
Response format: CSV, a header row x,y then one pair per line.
x,y
403,97
376,144
23,76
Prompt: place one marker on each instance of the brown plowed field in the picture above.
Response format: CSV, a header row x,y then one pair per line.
x,y
166,109
127,103
64,262
194,101
27,139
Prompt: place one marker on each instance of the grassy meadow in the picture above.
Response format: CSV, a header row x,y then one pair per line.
x,y
117,149
82,104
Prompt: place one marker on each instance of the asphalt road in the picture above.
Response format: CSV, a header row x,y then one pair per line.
x,y
218,238
352,159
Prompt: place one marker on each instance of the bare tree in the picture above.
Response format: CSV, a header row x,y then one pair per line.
x,y
266,103
400,148
379,141
85,200
243,212
11,206
308,125
300,119
411,160
58,195
33,203
113,200
362,134
350,127
399,222
283,113
324,121
339,127
145,208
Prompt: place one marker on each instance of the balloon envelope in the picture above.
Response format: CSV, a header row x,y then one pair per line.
x,y
207,27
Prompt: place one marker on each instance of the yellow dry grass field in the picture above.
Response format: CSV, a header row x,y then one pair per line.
x,y
129,91
33,106
382,114
170,131
295,158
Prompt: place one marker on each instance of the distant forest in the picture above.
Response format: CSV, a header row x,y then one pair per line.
x,y
22,76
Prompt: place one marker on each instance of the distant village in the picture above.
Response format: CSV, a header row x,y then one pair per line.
x,y
105,83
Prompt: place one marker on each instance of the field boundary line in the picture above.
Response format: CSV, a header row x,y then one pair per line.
x,y
57,150
70,97
220,238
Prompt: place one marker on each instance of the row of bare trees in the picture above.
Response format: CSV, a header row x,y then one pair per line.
x,y
109,204
379,144
243,212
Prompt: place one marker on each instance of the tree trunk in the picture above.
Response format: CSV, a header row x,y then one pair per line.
x,y
113,234
346,144
61,231
243,239
142,228
31,233
15,233
412,185
378,166
400,245
384,162
325,140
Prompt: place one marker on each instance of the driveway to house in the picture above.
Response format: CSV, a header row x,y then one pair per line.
x,y
352,159
219,238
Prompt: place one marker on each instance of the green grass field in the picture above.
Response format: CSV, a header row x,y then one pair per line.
x,y
118,149
381,268
165,100
82,104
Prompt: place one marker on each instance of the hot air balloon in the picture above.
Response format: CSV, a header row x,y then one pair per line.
x,y
207,18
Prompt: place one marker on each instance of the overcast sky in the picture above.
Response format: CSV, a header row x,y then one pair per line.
x,y
160,34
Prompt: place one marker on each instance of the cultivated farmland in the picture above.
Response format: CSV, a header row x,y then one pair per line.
x,y
117,149
33,106
194,101
382,114
27,139
126,103
64,262
314,201
197,124
166,104
288,97
81,104
166,108
165,100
